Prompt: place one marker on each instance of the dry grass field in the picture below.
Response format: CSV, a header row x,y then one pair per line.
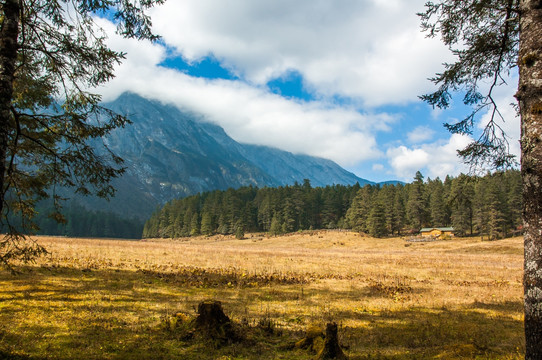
x,y
112,299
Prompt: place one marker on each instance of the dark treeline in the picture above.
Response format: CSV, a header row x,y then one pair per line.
x,y
86,223
489,205
276,210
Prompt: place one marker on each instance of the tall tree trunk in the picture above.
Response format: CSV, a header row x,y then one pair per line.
x,y
530,102
9,33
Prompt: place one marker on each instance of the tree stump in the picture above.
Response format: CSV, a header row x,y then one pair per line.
x,y
331,349
313,340
212,323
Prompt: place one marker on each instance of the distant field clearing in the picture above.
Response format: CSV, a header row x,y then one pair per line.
x,y
111,299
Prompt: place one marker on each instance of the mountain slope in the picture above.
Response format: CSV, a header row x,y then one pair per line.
x,y
170,153
287,168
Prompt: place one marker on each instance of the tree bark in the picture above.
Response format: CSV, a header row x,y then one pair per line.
x,y
9,32
331,349
530,101
214,324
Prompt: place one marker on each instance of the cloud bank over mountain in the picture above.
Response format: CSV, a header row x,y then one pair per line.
x,y
362,64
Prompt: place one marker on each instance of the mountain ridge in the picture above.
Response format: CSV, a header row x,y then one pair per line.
x,y
170,153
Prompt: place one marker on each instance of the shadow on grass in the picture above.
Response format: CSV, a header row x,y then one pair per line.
x,y
420,333
68,314
10,356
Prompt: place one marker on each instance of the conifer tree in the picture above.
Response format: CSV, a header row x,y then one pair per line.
x,y
480,205
222,226
288,216
460,199
51,50
330,206
307,205
194,225
239,231
376,222
187,222
497,208
386,198
358,213
417,204
489,38
177,226
399,210
276,225
437,204
206,223
265,211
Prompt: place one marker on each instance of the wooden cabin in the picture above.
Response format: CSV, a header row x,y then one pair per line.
x,y
437,232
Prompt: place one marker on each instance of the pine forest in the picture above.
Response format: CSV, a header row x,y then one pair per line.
x,y
487,205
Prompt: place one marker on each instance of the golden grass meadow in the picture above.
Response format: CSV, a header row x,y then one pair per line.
x,y
392,299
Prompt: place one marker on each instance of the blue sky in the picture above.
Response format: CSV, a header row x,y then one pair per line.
x,y
336,79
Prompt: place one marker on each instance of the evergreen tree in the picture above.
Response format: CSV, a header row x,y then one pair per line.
x,y
177,227
150,229
359,210
332,207
50,52
387,197
206,223
187,222
250,216
481,212
489,38
223,226
194,225
265,211
276,225
437,204
399,210
376,222
316,205
288,216
417,204
460,199
353,207
306,206
167,221
239,232
497,208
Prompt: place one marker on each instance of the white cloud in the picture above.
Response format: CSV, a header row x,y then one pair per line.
x,y
250,114
420,134
369,50
404,160
435,159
